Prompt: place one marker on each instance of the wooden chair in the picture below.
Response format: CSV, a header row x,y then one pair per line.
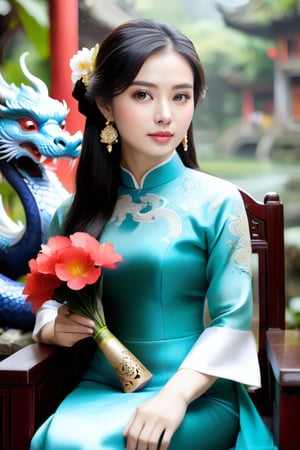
x,y
34,380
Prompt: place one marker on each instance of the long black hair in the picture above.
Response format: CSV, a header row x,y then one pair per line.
x,y
120,58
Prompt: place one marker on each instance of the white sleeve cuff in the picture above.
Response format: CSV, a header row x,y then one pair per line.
x,y
45,314
226,353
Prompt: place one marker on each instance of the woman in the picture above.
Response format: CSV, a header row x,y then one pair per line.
x,y
183,237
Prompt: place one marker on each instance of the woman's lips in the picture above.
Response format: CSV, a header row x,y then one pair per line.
x,y
161,136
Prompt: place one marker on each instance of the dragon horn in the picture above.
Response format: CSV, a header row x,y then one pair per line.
x,y
40,86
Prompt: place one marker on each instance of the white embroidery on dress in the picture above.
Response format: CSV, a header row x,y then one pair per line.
x,y
242,248
193,192
151,208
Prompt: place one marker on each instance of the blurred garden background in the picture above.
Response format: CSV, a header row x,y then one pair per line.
x,y
247,129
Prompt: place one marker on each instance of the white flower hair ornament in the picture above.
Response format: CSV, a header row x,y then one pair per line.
x,y
83,64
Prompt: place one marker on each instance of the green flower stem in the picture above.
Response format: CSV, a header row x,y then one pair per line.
x,y
101,334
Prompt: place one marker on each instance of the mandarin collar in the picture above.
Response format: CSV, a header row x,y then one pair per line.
x,y
161,174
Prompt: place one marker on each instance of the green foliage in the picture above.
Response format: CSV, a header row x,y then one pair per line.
x,y
39,67
32,15
264,11
234,169
29,23
174,13
293,313
270,9
12,203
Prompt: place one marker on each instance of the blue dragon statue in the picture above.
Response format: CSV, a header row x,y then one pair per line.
x,y
32,132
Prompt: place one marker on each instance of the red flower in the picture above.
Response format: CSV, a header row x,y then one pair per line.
x,y
74,261
77,268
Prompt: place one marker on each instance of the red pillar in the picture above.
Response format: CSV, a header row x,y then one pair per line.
x,y
247,103
63,45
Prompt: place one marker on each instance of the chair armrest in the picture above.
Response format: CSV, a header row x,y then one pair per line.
x,y
33,381
283,352
26,365
43,370
30,390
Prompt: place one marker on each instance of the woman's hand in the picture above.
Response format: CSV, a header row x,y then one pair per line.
x,y
70,328
66,329
155,421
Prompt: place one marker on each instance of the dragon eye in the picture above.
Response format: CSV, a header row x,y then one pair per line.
x,y
63,125
28,125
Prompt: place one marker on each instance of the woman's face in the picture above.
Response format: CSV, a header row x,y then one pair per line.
x,y
153,114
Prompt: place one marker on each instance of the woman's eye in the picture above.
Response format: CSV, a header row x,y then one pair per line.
x,y
142,95
181,97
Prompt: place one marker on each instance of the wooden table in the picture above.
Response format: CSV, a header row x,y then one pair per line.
x,y
283,350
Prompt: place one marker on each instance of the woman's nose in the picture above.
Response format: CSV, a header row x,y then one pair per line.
x,y
163,113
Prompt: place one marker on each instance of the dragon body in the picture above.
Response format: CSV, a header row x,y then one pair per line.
x,y
32,139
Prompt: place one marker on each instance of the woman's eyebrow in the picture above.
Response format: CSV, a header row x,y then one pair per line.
x,y
153,85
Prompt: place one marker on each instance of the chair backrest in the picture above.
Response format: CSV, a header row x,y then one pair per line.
x,y
267,238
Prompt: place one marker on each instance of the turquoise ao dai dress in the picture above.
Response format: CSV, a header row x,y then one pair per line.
x,y
184,238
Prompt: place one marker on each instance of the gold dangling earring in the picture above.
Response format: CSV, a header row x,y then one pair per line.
x,y
109,135
185,143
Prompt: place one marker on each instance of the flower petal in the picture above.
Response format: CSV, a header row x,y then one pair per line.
x,y
79,283
50,253
83,63
39,288
102,254
107,257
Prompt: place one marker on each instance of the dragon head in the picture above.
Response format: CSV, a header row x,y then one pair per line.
x,y
32,125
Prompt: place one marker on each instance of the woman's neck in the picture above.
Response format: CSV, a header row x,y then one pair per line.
x,y
140,167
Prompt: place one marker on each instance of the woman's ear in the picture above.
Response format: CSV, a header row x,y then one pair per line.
x,y
105,109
